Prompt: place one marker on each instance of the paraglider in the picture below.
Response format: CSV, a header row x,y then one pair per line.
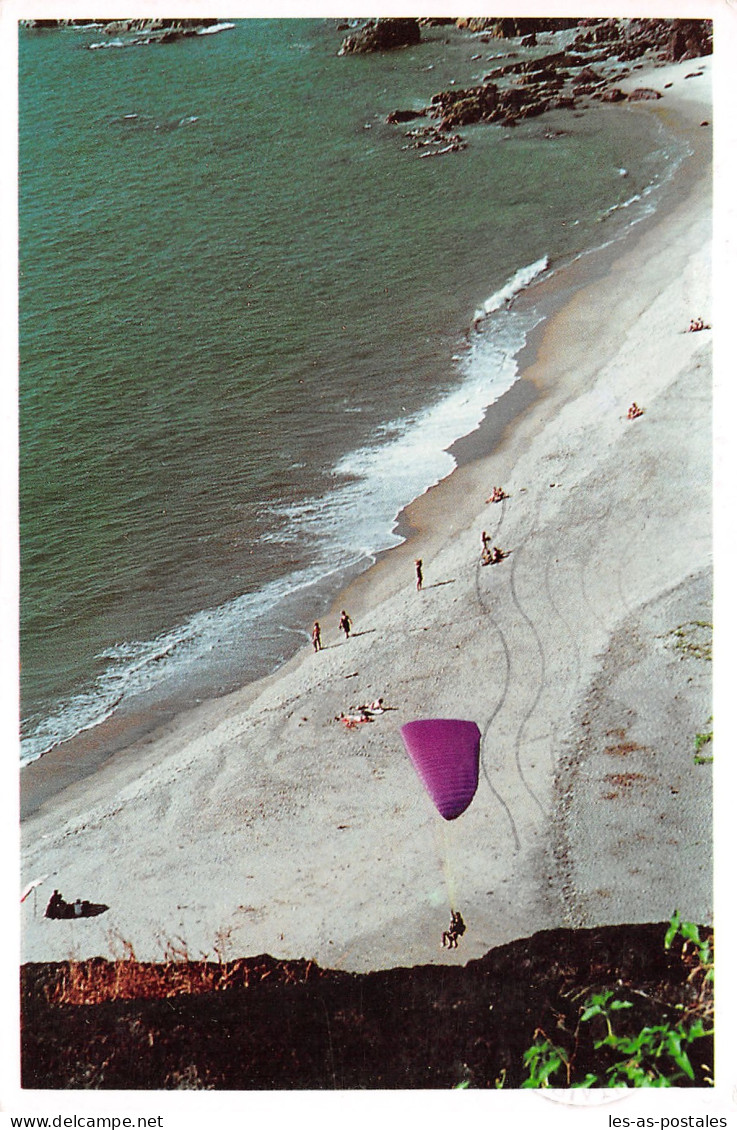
x,y
445,753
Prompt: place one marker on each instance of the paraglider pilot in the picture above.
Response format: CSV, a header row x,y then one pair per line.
x,y
456,930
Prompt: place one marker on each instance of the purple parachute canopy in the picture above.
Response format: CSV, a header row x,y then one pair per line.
x,y
445,753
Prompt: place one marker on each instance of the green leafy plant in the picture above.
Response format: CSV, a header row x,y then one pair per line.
x,y
544,1059
656,1056
700,948
699,742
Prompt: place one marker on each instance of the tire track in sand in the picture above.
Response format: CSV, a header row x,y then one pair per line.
x,y
504,692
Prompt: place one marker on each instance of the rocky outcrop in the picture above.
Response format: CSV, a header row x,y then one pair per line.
x,y
644,94
511,27
122,27
528,87
689,39
396,116
382,35
671,40
433,141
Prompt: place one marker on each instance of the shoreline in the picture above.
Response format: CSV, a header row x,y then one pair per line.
x,y
82,755
284,805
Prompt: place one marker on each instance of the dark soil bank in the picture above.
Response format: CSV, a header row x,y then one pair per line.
x,y
261,1023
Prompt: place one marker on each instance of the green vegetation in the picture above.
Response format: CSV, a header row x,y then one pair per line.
x,y
699,742
694,639
658,1055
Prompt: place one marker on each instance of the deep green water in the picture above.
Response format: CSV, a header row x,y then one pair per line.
x,y
241,302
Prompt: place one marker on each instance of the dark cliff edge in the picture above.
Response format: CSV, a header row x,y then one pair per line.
x,y
263,1023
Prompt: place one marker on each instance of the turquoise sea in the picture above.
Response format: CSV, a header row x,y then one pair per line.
x,y
244,315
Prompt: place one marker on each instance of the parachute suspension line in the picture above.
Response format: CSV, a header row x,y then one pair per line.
x,y
442,836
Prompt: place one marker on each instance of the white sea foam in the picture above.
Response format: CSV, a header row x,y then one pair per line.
x,y
518,282
407,456
345,527
214,29
134,668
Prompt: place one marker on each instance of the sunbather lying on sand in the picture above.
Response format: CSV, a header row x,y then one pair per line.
x,y
361,714
350,721
492,556
376,707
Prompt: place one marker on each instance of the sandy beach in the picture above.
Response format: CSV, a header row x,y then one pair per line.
x,y
259,823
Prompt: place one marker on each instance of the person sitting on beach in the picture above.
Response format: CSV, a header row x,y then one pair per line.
x,y
345,623
497,495
696,325
316,640
634,411
418,572
56,902
496,554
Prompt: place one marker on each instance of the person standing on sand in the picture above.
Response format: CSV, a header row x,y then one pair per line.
x,y
316,641
485,539
345,623
418,572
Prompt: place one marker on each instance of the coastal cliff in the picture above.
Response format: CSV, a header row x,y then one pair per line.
x,y
262,1023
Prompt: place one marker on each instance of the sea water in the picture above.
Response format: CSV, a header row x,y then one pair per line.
x,y
244,334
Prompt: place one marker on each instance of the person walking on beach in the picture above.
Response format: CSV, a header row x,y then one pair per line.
x,y
418,572
316,641
345,623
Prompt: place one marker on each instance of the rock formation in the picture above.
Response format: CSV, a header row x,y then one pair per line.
x,y
382,35
560,79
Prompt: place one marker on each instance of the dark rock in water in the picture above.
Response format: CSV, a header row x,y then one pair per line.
x,y
463,107
403,116
511,27
159,30
644,94
434,141
382,35
184,27
524,88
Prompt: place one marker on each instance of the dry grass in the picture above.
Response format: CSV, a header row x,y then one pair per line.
x,y
125,978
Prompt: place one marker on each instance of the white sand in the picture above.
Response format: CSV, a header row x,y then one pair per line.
x,y
258,823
